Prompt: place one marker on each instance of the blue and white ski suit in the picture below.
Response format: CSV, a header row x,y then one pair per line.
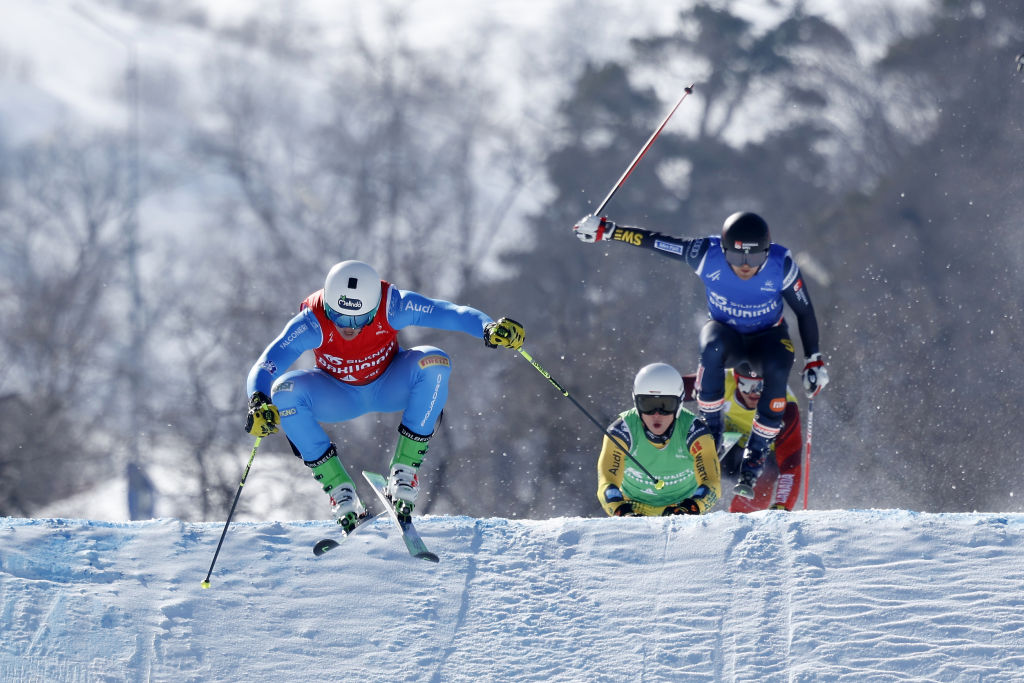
x,y
370,373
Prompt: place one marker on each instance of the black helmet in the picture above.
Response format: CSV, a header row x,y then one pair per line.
x,y
745,369
745,239
748,380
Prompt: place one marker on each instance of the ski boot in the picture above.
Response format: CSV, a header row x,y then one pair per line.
x,y
403,479
347,509
759,443
750,469
345,504
745,486
403,488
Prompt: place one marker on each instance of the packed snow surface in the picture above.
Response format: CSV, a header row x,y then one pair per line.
x,y
863,595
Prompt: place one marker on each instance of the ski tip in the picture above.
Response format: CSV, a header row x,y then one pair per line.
x,y
324,545
743,491
428,556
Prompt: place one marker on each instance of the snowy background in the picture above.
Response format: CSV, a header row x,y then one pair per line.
x,y
176,176
806,596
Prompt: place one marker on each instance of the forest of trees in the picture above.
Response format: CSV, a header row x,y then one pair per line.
x,y
144,267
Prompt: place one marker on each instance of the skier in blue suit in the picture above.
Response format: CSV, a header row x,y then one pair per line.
x,y
747,278
351,326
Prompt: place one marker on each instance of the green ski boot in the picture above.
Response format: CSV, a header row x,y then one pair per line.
x,y
345,503
403,480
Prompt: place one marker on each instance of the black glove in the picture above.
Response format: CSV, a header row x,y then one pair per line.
x,y
263,417
689,506
700,502
506,332
625,510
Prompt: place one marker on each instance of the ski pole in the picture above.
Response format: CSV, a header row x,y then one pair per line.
x,y
206,581
641,153
807,451
658,483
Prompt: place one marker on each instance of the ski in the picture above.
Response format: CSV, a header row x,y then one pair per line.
x,y
729,440
412,539
325,544
743,491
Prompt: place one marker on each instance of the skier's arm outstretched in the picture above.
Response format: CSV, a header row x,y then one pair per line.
x,y
592,228
407,308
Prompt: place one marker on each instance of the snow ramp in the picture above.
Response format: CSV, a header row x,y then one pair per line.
x,y
844,595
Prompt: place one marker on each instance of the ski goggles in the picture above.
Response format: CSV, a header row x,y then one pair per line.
x,y
750,385
666,405
746,258
350,321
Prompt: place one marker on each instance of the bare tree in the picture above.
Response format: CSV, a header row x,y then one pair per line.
x,y
64,206
394,155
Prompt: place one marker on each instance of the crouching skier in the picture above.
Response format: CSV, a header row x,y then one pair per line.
x,y
351,325
669,442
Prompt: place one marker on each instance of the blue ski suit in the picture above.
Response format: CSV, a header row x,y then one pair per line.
x,y
370,373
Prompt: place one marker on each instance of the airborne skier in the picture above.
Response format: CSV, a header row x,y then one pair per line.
x,y
352,325
746,277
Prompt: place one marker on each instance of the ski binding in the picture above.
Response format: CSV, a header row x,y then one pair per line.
x,y
326,544
413,542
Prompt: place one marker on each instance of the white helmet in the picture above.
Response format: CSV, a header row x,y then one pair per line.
x,y
351,293
658,387
658,379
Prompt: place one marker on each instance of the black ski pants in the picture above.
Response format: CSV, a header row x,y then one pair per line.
x,y
769,352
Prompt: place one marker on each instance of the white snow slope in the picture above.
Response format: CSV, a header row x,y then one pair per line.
x,y
862,595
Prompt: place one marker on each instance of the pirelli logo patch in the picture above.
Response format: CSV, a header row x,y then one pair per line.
x,y
429,361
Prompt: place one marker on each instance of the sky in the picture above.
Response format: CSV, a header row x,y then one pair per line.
x,y
855,595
